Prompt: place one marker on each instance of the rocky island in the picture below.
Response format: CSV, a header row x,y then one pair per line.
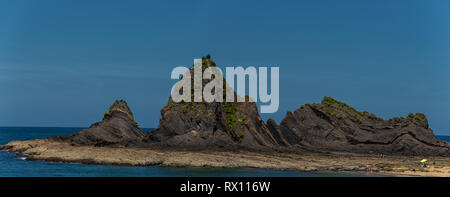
x,y
326,136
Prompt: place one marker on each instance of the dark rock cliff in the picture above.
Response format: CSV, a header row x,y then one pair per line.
x,y
216,125
118,128
331,126
334,126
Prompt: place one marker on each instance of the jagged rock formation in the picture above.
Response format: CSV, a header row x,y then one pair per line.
x,y
331,126
336,127
118,128
216,125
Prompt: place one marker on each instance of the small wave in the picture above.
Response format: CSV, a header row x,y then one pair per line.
x,y
22,158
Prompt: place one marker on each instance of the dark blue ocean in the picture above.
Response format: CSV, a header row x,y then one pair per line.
x,y
12,165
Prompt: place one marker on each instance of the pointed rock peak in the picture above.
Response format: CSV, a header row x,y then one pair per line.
x,y
122,106
207,62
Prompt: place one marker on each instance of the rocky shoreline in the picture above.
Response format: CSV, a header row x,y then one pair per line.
x,y
326,136
47,150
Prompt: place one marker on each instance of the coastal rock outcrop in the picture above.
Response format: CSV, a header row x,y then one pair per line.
x,y
334,126
216,125
327,127
118,128
331,126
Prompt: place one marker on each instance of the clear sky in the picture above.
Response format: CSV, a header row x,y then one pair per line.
x,y
62,63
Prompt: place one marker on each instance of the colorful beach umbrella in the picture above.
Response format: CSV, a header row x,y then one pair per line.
x,y
424,160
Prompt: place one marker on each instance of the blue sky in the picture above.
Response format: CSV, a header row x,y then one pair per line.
x,y
62,63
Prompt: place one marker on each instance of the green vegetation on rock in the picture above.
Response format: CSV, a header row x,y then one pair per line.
x,y
363,113
242,122
357,118
231,119
418,116
169,106
328,112
121,105
329,101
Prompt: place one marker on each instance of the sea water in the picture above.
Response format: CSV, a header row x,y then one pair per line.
x,y
12,165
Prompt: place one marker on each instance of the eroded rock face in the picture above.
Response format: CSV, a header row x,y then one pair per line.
x,y
217,125
331,126
118,128
335,126
212,125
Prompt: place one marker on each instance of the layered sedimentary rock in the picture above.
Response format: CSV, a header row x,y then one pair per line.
x,y
334,126
118,128
216,125
331,126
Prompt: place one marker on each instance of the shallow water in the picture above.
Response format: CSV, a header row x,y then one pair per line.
x,y
12,165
